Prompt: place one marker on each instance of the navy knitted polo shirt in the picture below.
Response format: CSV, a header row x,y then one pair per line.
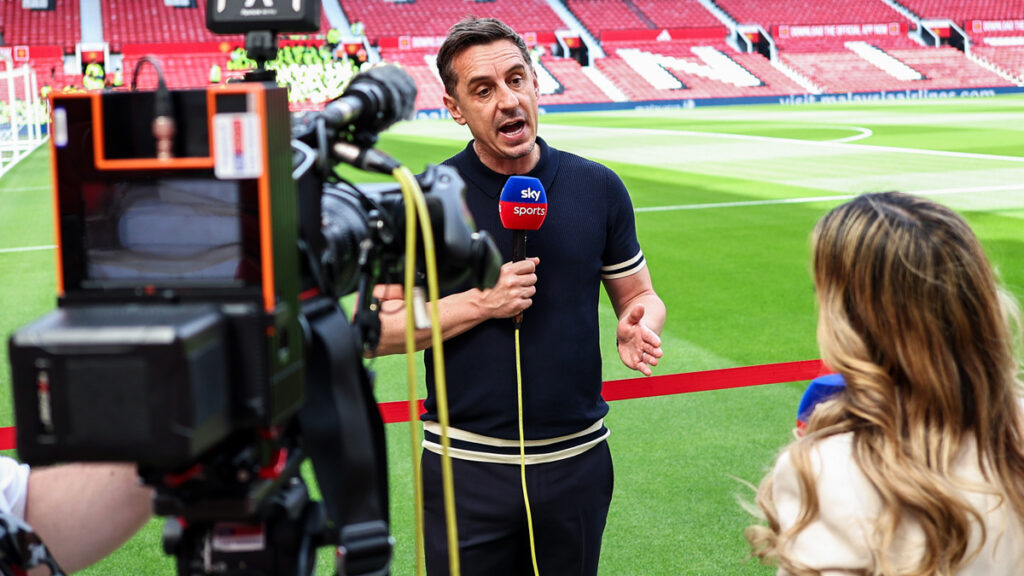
x,y
588,234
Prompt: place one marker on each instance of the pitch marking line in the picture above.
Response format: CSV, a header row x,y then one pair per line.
x,y
863,133
775,202
938,192
26,249
25,189
776,140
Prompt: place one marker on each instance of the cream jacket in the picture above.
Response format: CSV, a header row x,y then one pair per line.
x,y
836,542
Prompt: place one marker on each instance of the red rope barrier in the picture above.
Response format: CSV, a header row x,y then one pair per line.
x,y
629,388
7,438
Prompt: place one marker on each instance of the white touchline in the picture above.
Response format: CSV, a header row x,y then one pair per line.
x,y
24,189
26,249
838,197
826,143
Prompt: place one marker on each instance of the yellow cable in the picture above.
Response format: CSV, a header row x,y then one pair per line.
x,y
410,360
407,180
522,457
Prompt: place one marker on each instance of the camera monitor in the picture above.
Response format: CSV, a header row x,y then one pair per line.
x,y
171,230
240,16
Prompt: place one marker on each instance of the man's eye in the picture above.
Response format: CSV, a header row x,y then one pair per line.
x,y
483,92
516,81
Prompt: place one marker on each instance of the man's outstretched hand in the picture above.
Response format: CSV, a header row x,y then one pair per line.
x,y
639,346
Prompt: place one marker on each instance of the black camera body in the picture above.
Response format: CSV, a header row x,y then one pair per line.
x,y
178,281
204,239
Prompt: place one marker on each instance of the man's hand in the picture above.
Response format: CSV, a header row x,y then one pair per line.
x,y
514,290
639,346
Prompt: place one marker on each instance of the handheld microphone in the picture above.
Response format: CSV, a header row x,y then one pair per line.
x,y
819,390
523,206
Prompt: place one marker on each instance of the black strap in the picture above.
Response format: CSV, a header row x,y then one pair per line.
x,y
343,433
21,549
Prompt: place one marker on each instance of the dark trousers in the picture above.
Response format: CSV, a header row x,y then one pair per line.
x,y
569,502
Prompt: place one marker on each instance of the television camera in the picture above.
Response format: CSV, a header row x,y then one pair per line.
x,y
203,242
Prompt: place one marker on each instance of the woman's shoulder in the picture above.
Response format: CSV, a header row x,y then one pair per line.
x,y
843,489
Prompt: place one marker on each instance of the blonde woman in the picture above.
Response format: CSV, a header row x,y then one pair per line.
x,y
917,466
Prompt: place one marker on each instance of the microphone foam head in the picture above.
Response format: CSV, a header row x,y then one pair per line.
x,y
523,204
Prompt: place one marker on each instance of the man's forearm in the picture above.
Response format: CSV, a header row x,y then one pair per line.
x,y
83,512
458,313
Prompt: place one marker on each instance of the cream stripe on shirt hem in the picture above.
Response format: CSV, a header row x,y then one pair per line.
x,y
475,456
465,436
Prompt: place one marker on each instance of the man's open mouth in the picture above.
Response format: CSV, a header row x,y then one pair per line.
x,y
512,128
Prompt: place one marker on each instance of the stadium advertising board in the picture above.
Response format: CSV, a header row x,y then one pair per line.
x,y
839,30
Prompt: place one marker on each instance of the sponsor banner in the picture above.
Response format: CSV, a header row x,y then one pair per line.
x,y
434,42
130,50
663,34
26,53
995,26
786,32
785,99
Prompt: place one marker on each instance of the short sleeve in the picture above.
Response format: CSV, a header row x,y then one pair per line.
x,y
13,487
622,256
836,540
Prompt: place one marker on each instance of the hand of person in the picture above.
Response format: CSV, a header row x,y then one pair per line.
x,y
514,290
639,346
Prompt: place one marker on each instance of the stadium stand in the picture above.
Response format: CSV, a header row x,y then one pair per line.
x,y
655,49
701,69
941,68
180,70
677,13
434,17
152,21
1009,59
771,14
575,86
47,62
961,11
419,62
60,26
598,15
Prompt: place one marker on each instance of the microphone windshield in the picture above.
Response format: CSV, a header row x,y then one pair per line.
x,y
523,204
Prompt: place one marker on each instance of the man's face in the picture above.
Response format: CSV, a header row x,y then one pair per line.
x,y
496,96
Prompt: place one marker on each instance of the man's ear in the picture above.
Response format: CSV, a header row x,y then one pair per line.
x,y
453,108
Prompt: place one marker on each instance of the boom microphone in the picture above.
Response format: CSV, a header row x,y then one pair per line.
x,y
523,206
373,100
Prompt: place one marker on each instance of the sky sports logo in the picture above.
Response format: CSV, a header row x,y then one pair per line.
x,y
529,210
530,194
523,203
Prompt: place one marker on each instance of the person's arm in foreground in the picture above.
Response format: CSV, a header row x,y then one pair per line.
x,y
460,312
83,512
641,315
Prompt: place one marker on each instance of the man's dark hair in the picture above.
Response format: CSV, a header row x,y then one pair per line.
x,y
470,32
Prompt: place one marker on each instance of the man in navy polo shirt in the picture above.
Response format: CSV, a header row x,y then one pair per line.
x,y
588,238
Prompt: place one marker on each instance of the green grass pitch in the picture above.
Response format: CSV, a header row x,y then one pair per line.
x,y
725,201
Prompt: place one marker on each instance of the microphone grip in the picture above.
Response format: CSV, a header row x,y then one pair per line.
x,y
518,253
519,248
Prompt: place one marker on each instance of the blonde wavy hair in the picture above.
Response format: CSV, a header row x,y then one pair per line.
x,y
911,314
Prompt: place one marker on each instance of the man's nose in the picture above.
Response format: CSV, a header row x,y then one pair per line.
x,y
508,98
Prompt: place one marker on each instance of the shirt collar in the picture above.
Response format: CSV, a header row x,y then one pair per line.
x,y
490,182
